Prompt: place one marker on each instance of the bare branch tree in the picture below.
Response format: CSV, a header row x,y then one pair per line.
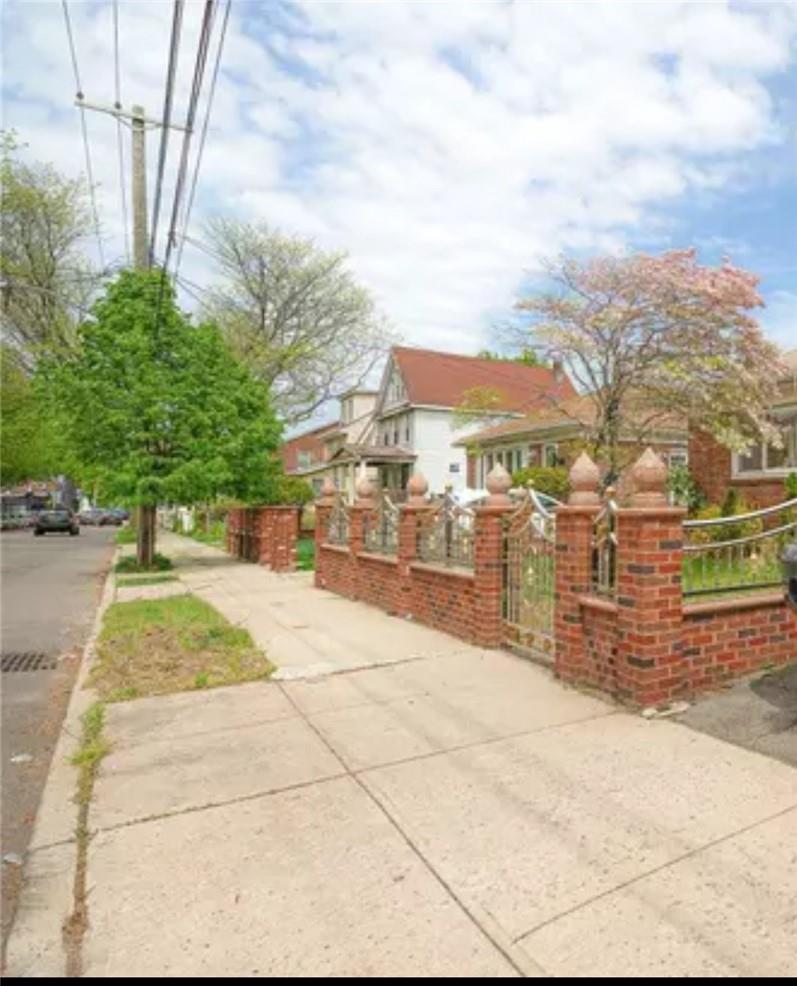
x,y
294,314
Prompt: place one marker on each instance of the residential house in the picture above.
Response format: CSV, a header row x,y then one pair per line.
x,y
550,436
759,473
415,428
410,423
309,453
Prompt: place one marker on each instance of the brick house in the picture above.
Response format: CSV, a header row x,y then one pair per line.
x,y
759,473
552,436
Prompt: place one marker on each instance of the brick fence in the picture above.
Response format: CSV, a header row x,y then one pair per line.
x,y
266,535
641,643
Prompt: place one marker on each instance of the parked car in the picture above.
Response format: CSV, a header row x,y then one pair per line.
x,y
92,516
58,521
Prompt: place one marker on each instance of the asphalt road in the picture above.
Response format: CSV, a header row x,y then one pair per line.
x,y
49,590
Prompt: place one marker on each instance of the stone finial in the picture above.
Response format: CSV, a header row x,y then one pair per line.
x,y
417,488
328,490
649,481
585,479
498,483
364,489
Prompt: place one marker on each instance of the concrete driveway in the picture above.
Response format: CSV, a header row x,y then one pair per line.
x,y
456,813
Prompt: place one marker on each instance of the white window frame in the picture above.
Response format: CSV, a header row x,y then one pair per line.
x,y
776,472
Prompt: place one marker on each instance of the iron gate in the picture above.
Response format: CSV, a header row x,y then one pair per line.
x,y
529,577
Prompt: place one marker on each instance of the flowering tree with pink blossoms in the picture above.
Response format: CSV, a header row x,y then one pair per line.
x,y
646,338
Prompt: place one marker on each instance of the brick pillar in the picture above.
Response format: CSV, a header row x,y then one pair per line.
x,y
575,525
264,532
488,559
574,530
285,525
488,571
650,666
323,508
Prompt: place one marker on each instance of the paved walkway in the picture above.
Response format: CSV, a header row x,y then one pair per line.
x,y
430,809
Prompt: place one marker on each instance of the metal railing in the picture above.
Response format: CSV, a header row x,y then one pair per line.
x,y
339,524
737,553
446,536
604,548
381,527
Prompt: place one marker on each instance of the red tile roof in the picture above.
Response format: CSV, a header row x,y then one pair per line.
x,y
441,379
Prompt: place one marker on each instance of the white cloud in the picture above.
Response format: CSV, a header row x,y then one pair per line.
x,y
448,146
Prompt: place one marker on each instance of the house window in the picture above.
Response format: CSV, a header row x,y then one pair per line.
x,y
678,457
303,460
396,434
407,430
765,459
387,438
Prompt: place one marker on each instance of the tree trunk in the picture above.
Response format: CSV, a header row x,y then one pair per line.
x,y
145,536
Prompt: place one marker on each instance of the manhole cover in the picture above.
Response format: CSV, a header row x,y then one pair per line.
x,y
28,661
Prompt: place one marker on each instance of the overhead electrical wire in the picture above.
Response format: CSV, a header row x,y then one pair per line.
x,y
171,71
203,137
196,88
119,141
86,148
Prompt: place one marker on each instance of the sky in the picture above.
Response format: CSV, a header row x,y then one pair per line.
x,y
450,147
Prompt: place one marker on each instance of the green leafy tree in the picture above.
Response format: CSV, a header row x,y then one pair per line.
x,y
46,280
28,443
160,410
294,490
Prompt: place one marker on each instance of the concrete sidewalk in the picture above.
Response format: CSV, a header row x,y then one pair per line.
x,y
440,810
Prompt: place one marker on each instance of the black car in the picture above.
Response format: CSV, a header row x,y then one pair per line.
x,y
58,521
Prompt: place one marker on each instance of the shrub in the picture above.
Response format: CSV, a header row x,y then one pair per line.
x,y
551,480
684,490
790,486
294,490
732,506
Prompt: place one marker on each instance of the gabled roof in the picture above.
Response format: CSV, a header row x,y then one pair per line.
x,y
441,379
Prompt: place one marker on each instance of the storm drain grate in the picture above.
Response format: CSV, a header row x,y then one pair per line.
x,y
28,660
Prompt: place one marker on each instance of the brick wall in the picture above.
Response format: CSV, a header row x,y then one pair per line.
x,y
645,646
264,534
731,637
463,602
710,465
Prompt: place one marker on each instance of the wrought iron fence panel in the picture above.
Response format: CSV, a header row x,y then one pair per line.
x,y
530,576
604,548
339,521
738,553
446,537
382,527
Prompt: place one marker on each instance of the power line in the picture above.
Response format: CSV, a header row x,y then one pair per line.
x,y
196,87
174,47
120,143
203,137
89,169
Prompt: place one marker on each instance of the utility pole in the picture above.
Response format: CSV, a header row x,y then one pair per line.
x,y
139,169
138,122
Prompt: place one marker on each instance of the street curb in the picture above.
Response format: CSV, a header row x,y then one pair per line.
x,y
35,945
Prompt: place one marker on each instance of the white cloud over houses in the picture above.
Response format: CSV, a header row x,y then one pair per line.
x,y
447,146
